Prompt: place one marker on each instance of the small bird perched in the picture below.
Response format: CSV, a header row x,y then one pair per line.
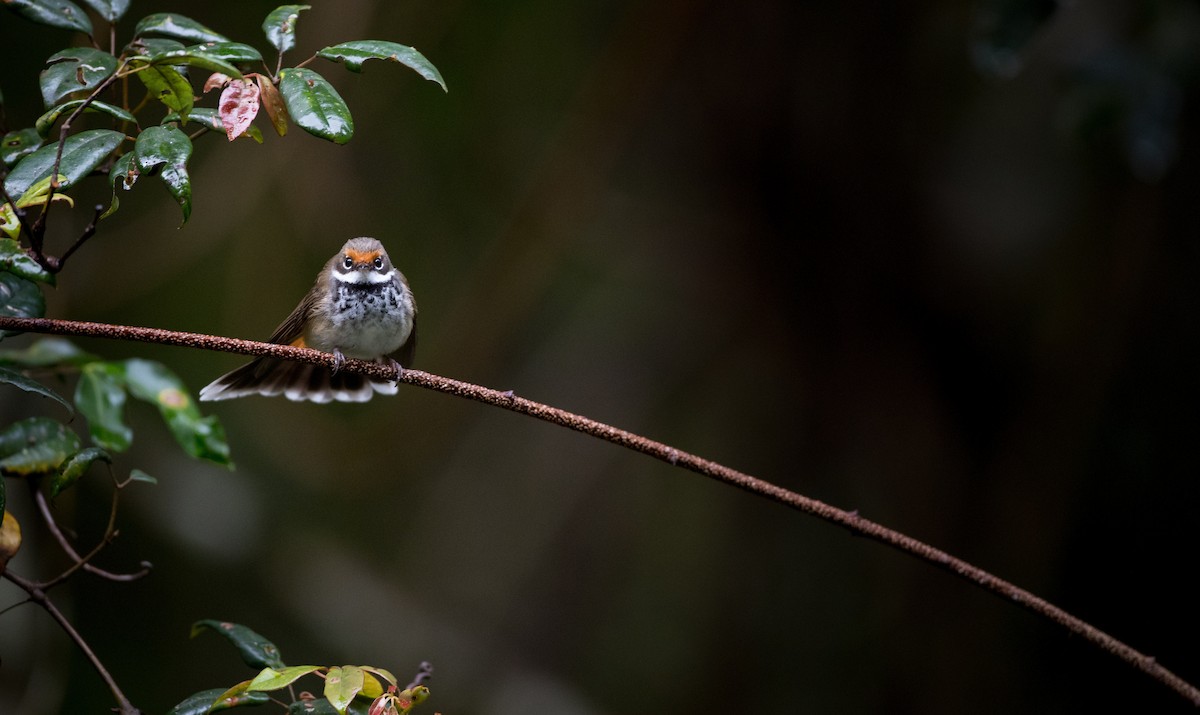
x,y
359,307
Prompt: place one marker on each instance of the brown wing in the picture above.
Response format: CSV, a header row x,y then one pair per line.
x,y
292,326
408,350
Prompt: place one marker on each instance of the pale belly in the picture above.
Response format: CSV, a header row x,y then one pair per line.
x,y
364,323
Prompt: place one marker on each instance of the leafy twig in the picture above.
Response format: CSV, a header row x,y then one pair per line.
x,y
849,520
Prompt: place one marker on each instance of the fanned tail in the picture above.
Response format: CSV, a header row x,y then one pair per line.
x,y
297,381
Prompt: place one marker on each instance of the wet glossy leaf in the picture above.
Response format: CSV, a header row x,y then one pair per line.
x,y
36,445
17,144
232,52
55,13
272,103
228,702
342,684
170,147
124,173
75,70
179,27
100,396
28,384
315,106
110,10
19,298
197,703
153,46
46,122
82,152
356,52
280,26
256,651
273,679
196,58
75,467
15,260
238,107
46,352
169,87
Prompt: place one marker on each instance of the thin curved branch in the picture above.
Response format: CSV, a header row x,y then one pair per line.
x,y
81,562
38,596
849,520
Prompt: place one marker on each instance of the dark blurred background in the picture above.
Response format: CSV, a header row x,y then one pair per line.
x,y
936,262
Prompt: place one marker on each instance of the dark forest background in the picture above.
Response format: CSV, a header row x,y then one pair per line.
x,y
935,261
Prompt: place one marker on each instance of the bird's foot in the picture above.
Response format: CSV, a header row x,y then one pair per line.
x,y
338,360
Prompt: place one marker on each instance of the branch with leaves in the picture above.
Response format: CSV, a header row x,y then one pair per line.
x,y
151,134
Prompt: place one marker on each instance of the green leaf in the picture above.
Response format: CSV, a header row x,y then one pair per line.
x,y
110,10
19,298
15,260
272,679
152,46
168,87
356,52
169,146
124,172
256,651
179,27
197,703
137,475
232,52
46,122
28,384
280,26
36,445
342,684
315,106
201,437
46,352
196,58
76,467
75,70
235,697
17,144
100,396
55,13
385,674
82,152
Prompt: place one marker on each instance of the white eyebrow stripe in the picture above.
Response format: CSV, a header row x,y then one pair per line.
x,y
360,277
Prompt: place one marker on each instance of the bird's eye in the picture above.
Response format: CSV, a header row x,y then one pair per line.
x,y
348,262
378,263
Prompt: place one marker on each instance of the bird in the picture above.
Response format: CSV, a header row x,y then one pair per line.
x,y
360,307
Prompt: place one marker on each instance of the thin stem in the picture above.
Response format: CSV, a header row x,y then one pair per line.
x,y
110,533
88,232
52,525
39,597
850,520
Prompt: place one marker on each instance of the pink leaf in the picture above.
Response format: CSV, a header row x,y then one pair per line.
x,y
239,106
216,79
